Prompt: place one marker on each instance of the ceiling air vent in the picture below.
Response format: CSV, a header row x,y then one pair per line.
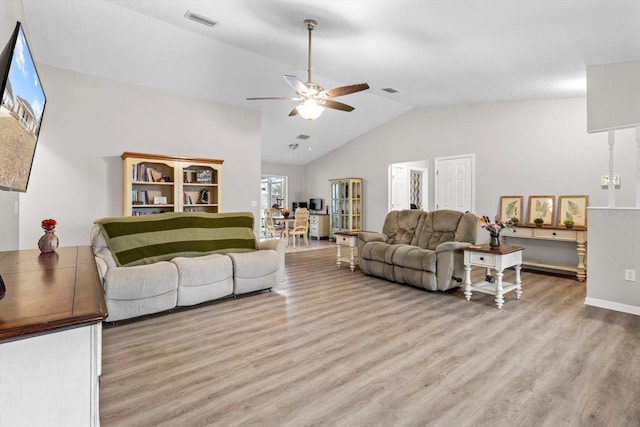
x,y
201,19
302,136
390,90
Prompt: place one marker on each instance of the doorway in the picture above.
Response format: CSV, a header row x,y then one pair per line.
x,y
408,185
273,194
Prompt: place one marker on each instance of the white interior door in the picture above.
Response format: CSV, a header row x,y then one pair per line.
x,y
455,183
399,188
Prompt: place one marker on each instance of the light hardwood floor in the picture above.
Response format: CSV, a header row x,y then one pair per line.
x,y
335,348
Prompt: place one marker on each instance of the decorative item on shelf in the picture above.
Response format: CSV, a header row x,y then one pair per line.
x,y
495,228
568,223
204,176
538,222
204,196
49,241
286,212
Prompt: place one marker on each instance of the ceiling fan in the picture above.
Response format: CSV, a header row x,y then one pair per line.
x,y
314,98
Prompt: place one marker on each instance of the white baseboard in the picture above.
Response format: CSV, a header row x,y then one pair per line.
x,y
610,305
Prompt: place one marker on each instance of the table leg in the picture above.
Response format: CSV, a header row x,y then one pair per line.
x,y
339,262
581,249
352,263
518,281
499,297
467,282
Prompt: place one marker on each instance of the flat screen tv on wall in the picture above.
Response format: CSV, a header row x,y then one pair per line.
x,y
21,112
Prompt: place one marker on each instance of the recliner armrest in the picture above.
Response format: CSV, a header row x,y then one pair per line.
x,y
371,236
452,246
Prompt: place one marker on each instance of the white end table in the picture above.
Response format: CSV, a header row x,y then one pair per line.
x,y
344,238
498,259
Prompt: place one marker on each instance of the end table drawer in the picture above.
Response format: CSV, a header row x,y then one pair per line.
x,y
487,260
346,239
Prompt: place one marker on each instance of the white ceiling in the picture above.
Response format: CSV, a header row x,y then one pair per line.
x,y
434,52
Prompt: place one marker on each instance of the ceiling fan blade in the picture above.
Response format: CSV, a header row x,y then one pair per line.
x,y
346,90
296,84
294,111
283,98
329,103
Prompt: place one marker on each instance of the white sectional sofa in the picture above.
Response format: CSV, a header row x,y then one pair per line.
x,y
153,263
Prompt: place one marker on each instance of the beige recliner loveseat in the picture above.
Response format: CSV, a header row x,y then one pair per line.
x,y
418,248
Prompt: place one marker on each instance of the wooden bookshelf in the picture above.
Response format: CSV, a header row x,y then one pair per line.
x,y
156,183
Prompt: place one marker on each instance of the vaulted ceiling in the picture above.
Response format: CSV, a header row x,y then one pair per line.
x,y
433,52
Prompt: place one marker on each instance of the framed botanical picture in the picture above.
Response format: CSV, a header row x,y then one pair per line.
x,y
573,208
541,207
511,207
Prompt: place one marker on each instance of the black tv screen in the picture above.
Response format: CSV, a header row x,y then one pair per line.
x,y
21,111
315,204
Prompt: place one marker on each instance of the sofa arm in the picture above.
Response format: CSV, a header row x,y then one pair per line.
x,y
450,270
371,236
365,237
451,246
280,246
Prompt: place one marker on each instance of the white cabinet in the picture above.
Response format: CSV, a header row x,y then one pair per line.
x,y
51,380
318,226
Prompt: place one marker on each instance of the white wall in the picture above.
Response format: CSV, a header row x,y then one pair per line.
x,y
613,247
521,148
10,12
89,122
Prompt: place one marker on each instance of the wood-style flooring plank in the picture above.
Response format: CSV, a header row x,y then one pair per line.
x,y
333,347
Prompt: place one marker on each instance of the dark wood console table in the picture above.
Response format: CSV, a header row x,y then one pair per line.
x,y
50,338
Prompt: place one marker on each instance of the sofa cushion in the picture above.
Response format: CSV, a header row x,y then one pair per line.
x,y
400,226
254,271
203,278
146,239
415,258
140,281
439,226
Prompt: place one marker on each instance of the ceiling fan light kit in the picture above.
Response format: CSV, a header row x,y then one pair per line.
x,y
314,98
309,109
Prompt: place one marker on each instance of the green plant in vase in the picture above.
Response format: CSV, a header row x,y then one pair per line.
x,y
538,222
568,223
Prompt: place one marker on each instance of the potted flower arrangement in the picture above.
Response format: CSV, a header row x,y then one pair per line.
x,y
568,223
495,228
538,222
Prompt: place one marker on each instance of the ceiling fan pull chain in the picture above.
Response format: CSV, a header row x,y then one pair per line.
x,y
310,132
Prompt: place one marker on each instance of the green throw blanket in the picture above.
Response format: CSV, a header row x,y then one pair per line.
x,y
145,239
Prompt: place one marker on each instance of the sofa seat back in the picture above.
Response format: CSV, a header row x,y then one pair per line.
x,y
444,226
146,239
400,226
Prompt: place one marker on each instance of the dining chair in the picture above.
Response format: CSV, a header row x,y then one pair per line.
x,y
300,226
271,229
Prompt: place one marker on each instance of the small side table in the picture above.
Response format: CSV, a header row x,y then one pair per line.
x,y
498,259
345,238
